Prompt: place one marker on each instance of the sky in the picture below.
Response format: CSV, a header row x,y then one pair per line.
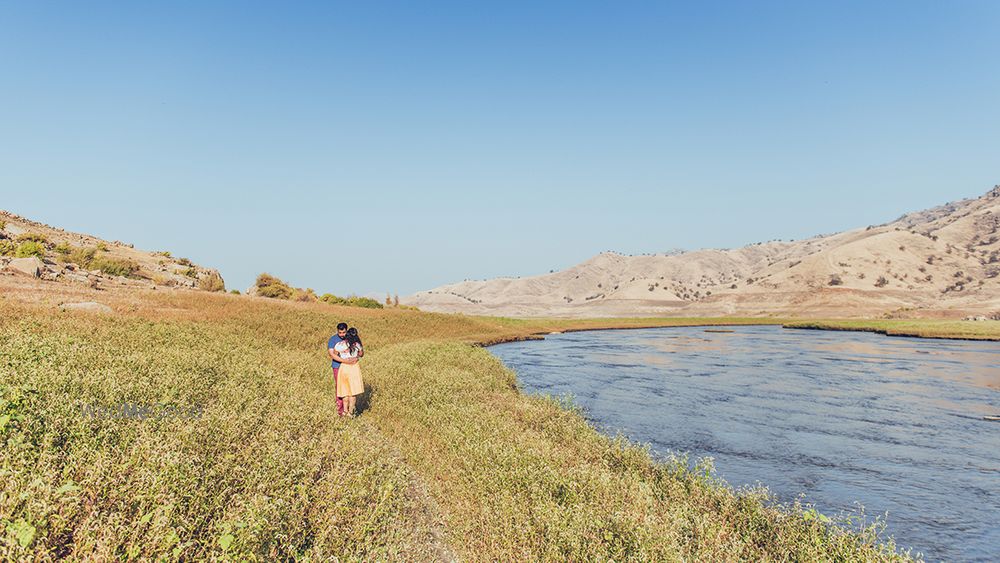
x,y
373,147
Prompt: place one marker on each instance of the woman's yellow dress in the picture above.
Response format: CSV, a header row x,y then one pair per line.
x,y
349,382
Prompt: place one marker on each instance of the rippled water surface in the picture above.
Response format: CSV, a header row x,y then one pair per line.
x,y
895,424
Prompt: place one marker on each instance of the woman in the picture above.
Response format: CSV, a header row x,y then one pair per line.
x,y
349,382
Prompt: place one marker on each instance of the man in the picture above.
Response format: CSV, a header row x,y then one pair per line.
x,y
336,361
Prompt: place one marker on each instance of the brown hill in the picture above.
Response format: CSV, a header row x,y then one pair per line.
x,y
942,262
31,249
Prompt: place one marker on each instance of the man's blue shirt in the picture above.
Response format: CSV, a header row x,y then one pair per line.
x,y
330,344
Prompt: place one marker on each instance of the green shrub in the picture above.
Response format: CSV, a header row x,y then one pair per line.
x,y
184,262
33,237
82,257
235,291
7,248
114,266
212,282
102,246
191,272
270,286
352,301
3,225
63,248
30,248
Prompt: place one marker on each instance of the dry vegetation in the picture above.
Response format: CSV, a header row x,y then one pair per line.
x,y
448,461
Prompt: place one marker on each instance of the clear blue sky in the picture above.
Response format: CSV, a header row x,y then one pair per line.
x,y
419,143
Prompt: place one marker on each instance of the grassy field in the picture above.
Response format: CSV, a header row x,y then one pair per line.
x,y
923,328
448,461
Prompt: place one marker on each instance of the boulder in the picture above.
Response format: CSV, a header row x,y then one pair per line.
x,y
87,306
76,277
30,266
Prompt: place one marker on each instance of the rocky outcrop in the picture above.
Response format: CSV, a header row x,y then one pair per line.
x,y
31,266
87,260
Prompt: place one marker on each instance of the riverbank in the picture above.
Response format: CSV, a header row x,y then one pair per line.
x,y
448,460
919,328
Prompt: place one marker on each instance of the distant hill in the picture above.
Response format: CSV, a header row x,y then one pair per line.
x,y
32,249
942,262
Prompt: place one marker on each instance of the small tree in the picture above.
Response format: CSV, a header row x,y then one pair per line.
x,y
388,300
270,286
395,300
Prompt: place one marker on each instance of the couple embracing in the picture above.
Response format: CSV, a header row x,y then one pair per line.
x,y
344,349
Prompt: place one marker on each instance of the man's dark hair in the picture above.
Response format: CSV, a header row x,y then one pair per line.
x,y
342,326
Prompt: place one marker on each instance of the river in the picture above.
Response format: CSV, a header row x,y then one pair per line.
x,y
895,424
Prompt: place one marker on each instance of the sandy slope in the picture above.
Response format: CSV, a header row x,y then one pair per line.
x,y
941,262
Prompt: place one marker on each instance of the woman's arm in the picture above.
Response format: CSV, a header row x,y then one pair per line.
x,y
340,354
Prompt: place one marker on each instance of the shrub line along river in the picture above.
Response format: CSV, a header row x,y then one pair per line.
x,y
843,418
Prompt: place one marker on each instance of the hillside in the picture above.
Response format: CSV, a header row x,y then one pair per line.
x,y
35,250
942,262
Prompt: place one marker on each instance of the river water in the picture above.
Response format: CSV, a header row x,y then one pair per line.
x,y
895,424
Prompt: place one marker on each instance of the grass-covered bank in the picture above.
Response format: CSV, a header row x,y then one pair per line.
x,y
450,460
921,328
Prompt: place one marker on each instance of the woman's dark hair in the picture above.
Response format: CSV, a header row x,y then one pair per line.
x,y
353,340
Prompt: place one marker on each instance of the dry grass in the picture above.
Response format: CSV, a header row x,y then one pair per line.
x,y
923,328
449,460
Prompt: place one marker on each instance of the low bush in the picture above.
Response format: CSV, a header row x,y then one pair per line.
x,y
114,266
33,237
270,286
212,282
82,256
305,295
352,301
30,248
7,248
88,259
